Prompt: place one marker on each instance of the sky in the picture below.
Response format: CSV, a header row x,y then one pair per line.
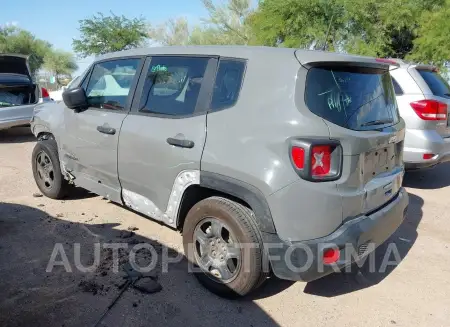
x,y
57,21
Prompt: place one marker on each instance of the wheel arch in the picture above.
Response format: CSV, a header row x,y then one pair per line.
x,y
212,184
44,135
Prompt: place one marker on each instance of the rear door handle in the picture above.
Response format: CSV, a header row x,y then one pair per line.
x,y
106,130
180,142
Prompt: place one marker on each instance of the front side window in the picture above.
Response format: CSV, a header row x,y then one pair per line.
x,y
352,97
172,85
110,83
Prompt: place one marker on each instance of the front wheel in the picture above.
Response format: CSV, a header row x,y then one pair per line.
x,y
47,170
222,240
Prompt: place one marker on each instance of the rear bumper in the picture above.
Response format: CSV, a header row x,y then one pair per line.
x,y
420,142
302,261
8,123
427,164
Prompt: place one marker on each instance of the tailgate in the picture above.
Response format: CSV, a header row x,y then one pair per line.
x,y
372,167
358,104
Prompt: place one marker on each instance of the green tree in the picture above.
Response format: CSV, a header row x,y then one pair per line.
x,y
229,21
369,27
102,34
19,41
172,32
226,24
60,63
432,43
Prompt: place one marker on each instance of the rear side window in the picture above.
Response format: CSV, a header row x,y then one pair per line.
x,y
173,85
228,84
354,98
398,90
436,83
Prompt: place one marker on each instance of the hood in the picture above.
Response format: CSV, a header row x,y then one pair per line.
x,y
14,64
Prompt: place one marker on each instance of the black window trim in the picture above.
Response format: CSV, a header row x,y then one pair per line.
x,y
205,93
133,86
245,61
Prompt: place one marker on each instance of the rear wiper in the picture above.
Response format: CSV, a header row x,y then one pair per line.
x,y
377,122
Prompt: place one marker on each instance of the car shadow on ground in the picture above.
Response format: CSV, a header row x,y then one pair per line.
x,y
428,179
35,292
272,286
78,193
17,135
373,273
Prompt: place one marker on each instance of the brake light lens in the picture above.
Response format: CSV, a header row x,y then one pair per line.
x,y
430,109
317,160
428,156
321,160
387,61
44,92
298,157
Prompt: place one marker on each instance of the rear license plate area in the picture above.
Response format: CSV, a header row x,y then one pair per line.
x,y
379,161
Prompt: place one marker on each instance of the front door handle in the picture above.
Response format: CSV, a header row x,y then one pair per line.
x,y
180,141
106,130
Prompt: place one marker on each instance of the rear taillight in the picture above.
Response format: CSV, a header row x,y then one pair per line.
x,y
298,157
428,156
430,109
321,160
316,160
44,92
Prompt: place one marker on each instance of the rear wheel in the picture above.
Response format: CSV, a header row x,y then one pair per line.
x,y
221,240
47,170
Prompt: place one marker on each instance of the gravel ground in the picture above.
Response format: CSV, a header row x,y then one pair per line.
x,y
414,293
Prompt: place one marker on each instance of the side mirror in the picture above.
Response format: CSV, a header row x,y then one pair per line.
x,y
75,98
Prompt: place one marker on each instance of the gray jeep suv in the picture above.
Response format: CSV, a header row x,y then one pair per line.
x,y
268,160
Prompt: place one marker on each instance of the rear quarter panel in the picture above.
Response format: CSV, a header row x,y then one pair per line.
x,y
250,141
421,136
15,116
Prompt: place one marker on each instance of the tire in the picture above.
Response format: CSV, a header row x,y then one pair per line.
x,y
58,188
243,229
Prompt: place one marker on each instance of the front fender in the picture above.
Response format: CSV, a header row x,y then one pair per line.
x,y
48,118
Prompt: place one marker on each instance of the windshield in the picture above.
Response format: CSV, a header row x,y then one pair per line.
x,y
354,98
436,83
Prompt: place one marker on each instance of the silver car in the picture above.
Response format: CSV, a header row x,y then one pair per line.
x,y
423,98
18,93
284,166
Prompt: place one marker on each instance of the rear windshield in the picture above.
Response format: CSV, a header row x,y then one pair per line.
x,y
436,83
358,99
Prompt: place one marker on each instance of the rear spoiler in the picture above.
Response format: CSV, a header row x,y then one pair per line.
x,y
425,67
309,59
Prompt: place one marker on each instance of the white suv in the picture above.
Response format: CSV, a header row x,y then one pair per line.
x,y
423,98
